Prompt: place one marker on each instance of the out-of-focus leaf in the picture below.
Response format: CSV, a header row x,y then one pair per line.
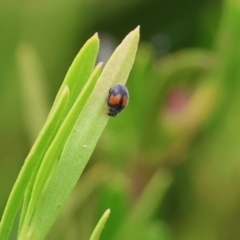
x,y
34,98
98,229
145,207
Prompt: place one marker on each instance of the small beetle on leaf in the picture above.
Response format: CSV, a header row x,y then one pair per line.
x,y
117,99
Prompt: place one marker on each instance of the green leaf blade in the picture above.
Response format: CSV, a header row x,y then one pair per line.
x,y
100,225
80,70
74,81
83,138
56,147
33,159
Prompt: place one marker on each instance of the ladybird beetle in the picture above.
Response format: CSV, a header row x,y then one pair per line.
x,y
117,99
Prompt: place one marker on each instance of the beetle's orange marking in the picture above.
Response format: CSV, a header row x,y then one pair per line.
x,y
115,99
124,101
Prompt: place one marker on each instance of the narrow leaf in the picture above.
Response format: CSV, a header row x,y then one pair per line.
x,y
32,161
56,147
101,223
83,138
80,70
145,207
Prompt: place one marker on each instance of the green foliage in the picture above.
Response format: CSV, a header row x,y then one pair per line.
x,y
98,229
168,166
76,119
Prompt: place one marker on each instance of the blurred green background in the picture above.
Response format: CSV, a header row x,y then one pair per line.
x,y
168,166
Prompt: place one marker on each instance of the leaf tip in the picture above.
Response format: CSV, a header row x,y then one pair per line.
x,y
94,39
95,35
107,212
135,33
100,64
137,29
